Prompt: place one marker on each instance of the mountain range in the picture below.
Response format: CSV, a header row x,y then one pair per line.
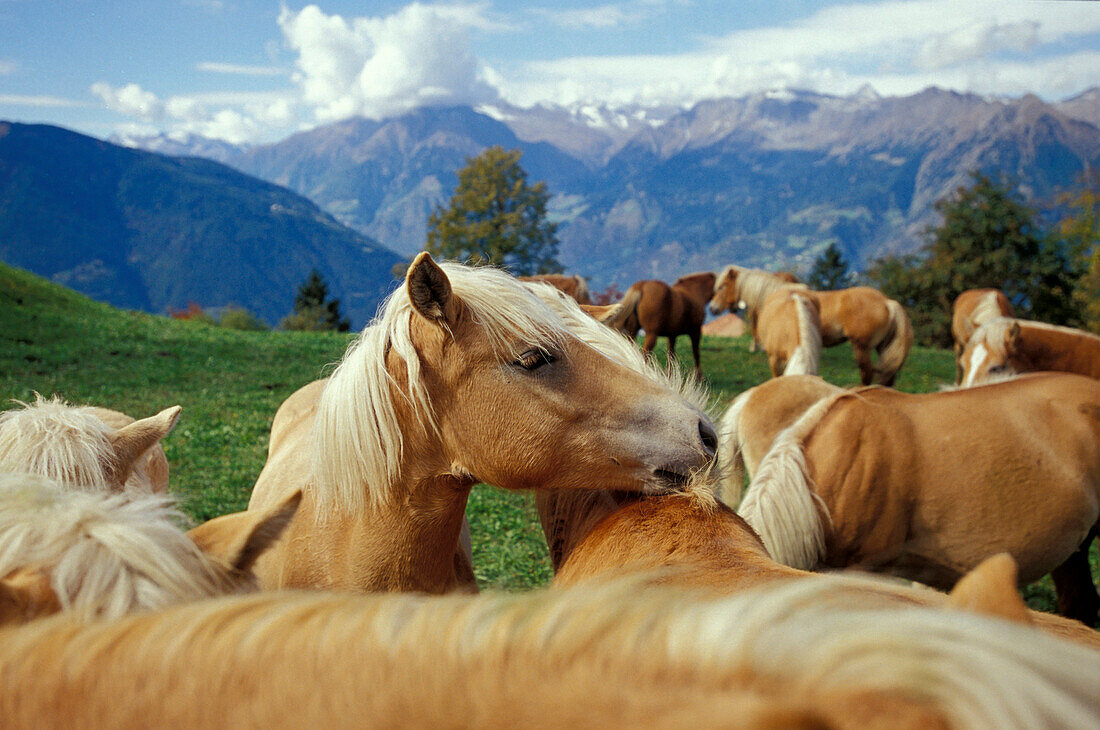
x,y
768,179
146,231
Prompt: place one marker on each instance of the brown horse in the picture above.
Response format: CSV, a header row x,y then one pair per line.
x,y
575,286
799,654
737,287
927,486
669,311
87,447
467,375
860,315
789,328
104,555
972,309
1004,346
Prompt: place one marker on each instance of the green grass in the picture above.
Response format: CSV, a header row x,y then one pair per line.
x,y
230,383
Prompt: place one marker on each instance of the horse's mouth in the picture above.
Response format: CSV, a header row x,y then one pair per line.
x,y
668,480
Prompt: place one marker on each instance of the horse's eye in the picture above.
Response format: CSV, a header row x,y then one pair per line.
x,y
998,368
534,359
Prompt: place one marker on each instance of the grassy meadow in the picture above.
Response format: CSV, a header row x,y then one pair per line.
x,y
54,341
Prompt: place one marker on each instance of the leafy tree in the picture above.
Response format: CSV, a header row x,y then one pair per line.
x,y
239,318
830,270
1080,230
496,217
988,238
313,310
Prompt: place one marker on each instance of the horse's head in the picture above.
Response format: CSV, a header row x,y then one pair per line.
x,y
86,447
504,383
105,555
989,352
726,291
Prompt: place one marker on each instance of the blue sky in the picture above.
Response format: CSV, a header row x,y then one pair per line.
x,y
251,71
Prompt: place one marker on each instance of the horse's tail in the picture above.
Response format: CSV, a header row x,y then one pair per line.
x,y
781,505
583,296
626,321
807,356
730,461
894,347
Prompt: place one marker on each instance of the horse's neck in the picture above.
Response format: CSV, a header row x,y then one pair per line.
x,y
1054,348
697,288
405,545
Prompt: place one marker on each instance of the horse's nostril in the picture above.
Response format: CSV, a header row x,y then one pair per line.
x,y
708,437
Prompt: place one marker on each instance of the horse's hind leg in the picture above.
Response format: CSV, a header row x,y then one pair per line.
x,y
863,362
695,353
649,344
1077,597
671,351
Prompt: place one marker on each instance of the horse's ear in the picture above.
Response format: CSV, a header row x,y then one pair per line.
x,y
133,440
25,595
237,540
430,290
1013,336
990,589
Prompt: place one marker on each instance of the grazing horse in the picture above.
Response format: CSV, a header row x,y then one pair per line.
x,y
860,315
575,286
754,418
794,655
669,311
740,288
927,486
103,555
972,309
1005,346
789,328
467,375
87,447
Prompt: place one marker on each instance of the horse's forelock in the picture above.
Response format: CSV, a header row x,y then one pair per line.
x,y
49,437
107,554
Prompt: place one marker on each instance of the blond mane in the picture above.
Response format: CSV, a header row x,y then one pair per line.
x,y
806,358
358,440
817,639
986,309
107,554
69,444
780,503
754,286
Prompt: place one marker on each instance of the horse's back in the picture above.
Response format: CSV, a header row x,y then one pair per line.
x,y
772,407
288,453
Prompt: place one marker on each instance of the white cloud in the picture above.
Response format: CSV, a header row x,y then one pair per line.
x,y
602,17
8,67
383,66
40,100
130,100
232,68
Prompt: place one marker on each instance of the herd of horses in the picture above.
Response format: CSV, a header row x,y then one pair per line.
x,y
345,593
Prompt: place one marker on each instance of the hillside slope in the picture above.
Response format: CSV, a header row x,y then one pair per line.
x,y
145,231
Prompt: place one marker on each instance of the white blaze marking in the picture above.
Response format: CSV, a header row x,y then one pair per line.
x,y
976,359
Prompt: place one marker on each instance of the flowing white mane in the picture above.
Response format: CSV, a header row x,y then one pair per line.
x,y
815,638
66,443
107,555
357,439
986,309
754,286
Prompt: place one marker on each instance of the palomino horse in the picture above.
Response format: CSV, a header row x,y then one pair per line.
x,y
972,309
85,446
790,655
575,286
927,486
467,375
690,539
754,418
860,315
789,328
669,311
1005,346
103,555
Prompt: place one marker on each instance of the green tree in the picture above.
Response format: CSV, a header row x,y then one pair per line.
x,y
1080,230
496,217
988,238
313,310
830,270
238,318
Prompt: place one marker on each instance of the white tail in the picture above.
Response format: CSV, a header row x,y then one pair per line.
x,y
806,359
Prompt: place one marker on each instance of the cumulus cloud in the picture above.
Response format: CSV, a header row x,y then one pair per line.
x,y
233,117
238,69
382,66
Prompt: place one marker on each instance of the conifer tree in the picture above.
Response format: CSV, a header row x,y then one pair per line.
x,y
830,270
313,310
496,217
